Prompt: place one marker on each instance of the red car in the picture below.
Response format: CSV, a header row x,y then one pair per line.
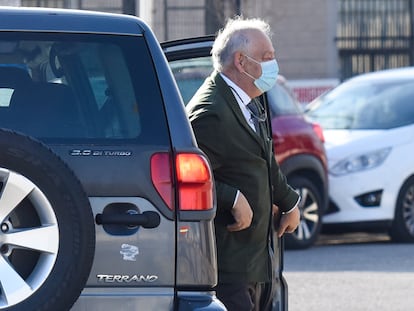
x,y
298,143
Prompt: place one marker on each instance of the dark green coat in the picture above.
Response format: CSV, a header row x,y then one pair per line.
x,y
240,161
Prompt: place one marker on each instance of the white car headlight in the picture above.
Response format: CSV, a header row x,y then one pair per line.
x,y
360,162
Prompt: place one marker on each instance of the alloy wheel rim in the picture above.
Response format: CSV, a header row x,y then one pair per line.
x,y
309,215
408,209
29,242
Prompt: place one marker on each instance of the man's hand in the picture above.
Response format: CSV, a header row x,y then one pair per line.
x,y
288,222
242,214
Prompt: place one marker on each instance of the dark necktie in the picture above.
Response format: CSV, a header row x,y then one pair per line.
x,y
254,112
260,127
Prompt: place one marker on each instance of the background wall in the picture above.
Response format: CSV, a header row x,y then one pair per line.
x,y
304,31
304,35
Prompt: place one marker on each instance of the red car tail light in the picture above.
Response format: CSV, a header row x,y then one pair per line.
x,y
161,176
319,131
194,180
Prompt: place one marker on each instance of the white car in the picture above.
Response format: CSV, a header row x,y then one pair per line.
x,y
368,123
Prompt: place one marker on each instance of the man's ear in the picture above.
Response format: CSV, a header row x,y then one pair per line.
x,y
238,61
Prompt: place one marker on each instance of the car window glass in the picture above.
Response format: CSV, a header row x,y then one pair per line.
x,y
365,106
190,74
81,86
281,102
390,108
5,96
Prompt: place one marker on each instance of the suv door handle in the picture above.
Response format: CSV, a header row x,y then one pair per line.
x,y
147,219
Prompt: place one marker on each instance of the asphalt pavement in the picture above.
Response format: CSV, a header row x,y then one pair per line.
x,y
358,272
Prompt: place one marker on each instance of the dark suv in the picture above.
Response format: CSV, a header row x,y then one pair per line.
x,y
299,144
104,193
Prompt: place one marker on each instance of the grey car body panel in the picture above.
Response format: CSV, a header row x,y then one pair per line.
x,y
123,176
182,135
196,252
59,20
142,256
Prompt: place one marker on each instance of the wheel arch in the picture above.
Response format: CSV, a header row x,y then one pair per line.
x,y
407,179
401,230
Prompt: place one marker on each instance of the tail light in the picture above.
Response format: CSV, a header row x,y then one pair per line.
x,y
319,131
194,180
161,176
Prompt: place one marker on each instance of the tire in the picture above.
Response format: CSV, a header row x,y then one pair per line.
x,y
47,236
402,229
311,212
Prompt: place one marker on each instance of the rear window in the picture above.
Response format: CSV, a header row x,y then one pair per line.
x,y
80,86
281,103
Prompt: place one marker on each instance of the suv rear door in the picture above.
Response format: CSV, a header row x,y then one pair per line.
x,y
190,61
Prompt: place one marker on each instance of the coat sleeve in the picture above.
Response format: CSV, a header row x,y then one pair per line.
x,y
284,196
206,127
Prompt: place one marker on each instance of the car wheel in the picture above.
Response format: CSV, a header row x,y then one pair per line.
x,y
311,211
47,237
402,229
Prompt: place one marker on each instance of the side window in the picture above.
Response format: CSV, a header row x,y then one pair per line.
x,y
5,96
190,74
12,76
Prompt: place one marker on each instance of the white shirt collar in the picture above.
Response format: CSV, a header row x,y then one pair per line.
x,y
240,95
242,99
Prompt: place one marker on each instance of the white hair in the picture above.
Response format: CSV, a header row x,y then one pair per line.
x,y
233,37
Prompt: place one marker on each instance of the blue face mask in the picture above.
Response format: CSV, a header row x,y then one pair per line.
x,y
270,70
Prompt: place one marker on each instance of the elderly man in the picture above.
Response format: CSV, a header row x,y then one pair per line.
x,y
232,128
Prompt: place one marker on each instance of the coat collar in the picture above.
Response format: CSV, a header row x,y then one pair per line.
x,y
228,95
